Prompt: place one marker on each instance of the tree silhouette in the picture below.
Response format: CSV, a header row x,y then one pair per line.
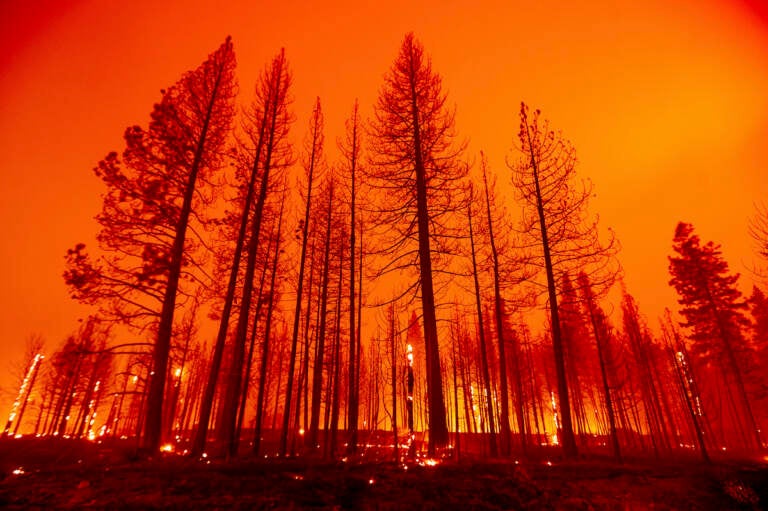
x,y
270,105
29,370
482,338
313,165
265,125
147,209
416,173
260,404
555,217
327,195
498,239
351,149
712,307
602,335
201,111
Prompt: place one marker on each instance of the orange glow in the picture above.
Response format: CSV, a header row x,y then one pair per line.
x,y
664,101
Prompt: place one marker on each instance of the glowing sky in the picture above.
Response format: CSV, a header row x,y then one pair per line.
x,y
666,103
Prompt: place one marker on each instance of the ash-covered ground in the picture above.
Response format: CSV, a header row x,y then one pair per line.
x,y
70,474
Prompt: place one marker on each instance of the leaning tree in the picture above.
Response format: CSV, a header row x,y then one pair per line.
x,y
713,308
153,193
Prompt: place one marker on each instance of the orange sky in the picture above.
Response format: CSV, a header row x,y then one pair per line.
x,y
666,103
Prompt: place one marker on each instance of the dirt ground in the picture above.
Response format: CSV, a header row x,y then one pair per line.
x,y
68,474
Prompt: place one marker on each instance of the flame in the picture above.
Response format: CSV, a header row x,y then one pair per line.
x,y
22,390
168,448
556,419
19,471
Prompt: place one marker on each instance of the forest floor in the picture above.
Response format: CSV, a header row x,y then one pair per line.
x,y
70,474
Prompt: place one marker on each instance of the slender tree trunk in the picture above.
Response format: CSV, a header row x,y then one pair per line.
x,y
266,343
481,334
393,349
304,381
210,389
28,393
358,334
232,389
352,386
153,423
317,375
335,395
254,333
277,389
438,429
69,397
302,261
597,332
519,393
568,440
506,434
681,376
457,452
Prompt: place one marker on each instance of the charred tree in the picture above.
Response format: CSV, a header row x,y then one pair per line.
x,y
314,149
482,340
416,173
351,149
555,209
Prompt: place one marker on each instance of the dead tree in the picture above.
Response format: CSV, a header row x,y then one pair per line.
x,y
555,210
313,163
415,172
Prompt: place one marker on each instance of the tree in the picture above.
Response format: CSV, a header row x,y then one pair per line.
x,y
644,368
33,358
686,381
270,105
201,105
317,373
313,165
266,343
555,217
415,169
147,211
493,226
265,125
601,333
712,307
758,230
482,341
351,148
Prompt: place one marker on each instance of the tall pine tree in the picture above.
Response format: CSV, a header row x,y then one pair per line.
x,y
713,308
